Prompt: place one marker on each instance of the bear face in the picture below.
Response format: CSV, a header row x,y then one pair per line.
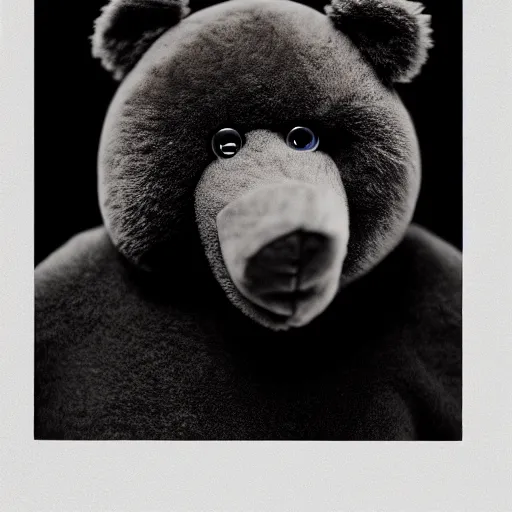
x,y
274,132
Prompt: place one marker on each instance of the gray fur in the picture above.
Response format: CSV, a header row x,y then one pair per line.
x,y
393,35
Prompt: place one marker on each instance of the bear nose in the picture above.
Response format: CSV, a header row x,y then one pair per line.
x,y
289,263
285,271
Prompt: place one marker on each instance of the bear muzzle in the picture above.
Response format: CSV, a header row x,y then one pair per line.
x,y
284,245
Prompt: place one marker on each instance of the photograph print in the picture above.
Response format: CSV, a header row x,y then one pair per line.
x,y
248,220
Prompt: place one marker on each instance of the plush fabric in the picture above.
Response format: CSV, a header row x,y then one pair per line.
x,y
122,355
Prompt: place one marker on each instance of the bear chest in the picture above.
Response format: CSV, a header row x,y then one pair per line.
x,y
175,375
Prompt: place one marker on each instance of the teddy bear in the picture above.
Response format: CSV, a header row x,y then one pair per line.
x,y
258,275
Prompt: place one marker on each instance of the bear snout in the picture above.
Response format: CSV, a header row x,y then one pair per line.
x,y
283,246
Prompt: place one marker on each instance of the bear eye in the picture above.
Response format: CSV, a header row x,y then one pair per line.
x,y
226,143
301,138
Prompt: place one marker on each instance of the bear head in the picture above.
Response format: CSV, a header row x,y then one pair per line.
x,y
269,128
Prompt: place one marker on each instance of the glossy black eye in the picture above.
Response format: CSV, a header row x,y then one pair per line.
x,y
226,143
302,139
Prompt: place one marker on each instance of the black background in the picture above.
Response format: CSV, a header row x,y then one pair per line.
x,y
72,93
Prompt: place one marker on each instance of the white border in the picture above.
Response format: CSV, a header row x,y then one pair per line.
x,y
473,475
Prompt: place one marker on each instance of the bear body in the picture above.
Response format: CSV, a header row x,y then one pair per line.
x,y
257,275
127,362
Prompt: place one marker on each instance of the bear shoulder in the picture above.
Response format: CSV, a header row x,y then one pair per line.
x,y
419,288
74,288
434,250
74,284
83,255
423,279
434,269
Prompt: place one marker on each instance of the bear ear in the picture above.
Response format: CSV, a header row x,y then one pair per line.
x,y
127,28
393,35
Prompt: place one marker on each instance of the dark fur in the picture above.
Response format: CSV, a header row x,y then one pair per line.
x,y
123,356
393,35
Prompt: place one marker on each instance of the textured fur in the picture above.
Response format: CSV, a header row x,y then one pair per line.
x,y
122,355
127,28
393,35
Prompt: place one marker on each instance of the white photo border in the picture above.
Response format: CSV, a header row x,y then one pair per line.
x,y
472,475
